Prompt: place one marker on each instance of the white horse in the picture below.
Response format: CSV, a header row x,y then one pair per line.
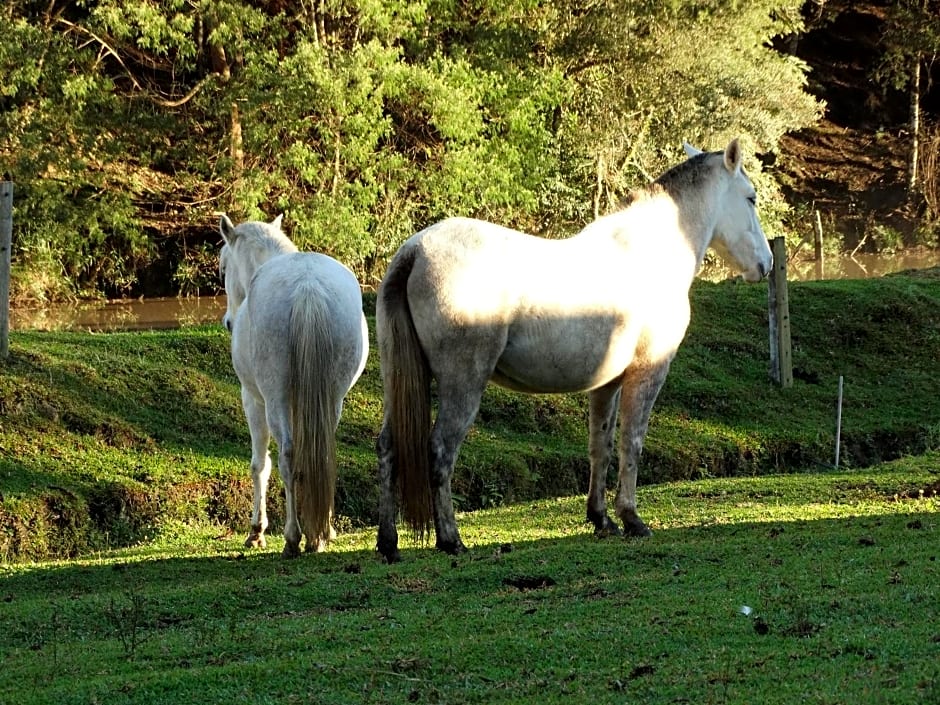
x,y
466,301
299,343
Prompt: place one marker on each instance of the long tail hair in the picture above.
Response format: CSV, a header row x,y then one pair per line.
x,y
313,407
407,380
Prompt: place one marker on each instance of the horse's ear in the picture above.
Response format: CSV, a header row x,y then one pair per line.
x,y
690,150
277,221
733,156
227,228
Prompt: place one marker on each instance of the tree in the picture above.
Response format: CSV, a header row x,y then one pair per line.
x,y
911,43
131,123
651,75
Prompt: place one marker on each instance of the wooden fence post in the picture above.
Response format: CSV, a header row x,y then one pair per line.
x,y
6,243
778,309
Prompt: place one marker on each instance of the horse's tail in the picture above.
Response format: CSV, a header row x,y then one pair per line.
x,y
313,406
407,379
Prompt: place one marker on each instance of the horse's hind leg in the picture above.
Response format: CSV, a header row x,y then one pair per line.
x,y
640,389
456,411
388,503
260,468
292,532
285,454
602,422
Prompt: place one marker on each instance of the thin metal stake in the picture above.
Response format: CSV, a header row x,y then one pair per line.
x,y
838,423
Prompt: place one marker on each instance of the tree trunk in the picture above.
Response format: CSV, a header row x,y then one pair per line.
x,y
237,151
599,187
912,175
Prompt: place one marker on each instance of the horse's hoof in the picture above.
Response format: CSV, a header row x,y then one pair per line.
x,y
454,549
392,556
255,541
388,547
636,527
318,546
606,529
291,550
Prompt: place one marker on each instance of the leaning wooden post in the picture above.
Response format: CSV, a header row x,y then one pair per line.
x,y
6,243
778,308
818,246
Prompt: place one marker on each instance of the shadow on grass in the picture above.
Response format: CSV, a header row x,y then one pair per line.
x,y
908,541
701,614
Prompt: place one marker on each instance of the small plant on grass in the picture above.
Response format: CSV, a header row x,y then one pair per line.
x,y
130,622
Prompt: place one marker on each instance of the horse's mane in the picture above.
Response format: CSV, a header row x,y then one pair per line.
x,y
268,237
670,182
265,239
641,193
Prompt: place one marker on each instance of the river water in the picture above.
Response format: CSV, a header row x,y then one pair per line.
x,y
134,314
162,313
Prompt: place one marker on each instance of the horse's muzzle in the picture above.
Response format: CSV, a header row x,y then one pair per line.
x,y
227,322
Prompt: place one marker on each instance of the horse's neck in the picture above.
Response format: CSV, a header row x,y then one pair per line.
x,y
663,230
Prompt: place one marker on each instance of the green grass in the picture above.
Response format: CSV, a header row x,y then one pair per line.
x,y
108,439
839,570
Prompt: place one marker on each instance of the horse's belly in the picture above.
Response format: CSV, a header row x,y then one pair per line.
x,y
563,364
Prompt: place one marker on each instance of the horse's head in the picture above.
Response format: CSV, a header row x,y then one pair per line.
x,y
738,236
246,247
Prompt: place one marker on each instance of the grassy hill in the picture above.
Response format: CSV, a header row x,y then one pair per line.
x,y
109,439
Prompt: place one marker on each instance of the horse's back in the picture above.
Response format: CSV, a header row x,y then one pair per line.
x,y
474,270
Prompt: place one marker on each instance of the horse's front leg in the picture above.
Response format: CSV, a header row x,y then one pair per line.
x,y
602,421
639,392
260,468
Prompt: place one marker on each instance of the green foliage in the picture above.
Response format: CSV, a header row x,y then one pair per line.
x,y
129,123
650,76
911,36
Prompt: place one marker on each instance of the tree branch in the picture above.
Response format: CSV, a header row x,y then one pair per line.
x,y
157,99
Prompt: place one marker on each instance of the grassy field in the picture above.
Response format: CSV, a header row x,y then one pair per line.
x,y
108,439
809,588
771,577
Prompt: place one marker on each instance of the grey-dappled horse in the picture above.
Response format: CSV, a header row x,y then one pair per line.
x,y
466,301
299,343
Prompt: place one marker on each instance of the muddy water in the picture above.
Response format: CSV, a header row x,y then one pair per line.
x,y
845,267
138,314
149,314
861,266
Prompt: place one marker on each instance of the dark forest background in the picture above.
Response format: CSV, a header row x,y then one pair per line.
x,y
128,126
